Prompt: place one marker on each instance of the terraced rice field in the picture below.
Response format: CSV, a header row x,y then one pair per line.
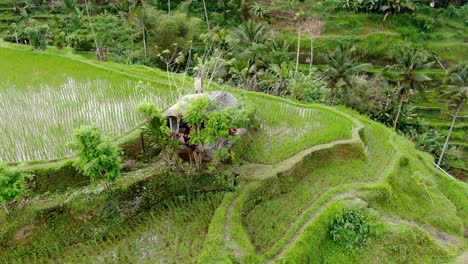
x,y
44,97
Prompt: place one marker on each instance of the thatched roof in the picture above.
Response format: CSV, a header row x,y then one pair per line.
x,y
221,98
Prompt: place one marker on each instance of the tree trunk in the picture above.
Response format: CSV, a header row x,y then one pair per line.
x,y
206,16
298,48
131,37
444,149
6,209
169,6
143,31
334,96
400,105
142,139
311,55
92,29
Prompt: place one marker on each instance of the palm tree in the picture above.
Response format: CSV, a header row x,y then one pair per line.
x,y
342,70
300,16
250,33
138,6
409,61
123,9
92,30
206,16
457,81
258,10
248,46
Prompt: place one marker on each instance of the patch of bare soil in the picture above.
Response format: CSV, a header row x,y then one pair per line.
x,y
462,259
309,29
23,234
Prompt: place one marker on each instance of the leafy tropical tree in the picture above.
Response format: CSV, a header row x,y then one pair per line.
x,y
195,116
37,34
457,82
248,47
249,33
278,50
342,70
258,10
124,10
158,133
11,185
409,61
216,130
97,156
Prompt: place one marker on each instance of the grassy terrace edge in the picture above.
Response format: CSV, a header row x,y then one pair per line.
x,y
233,241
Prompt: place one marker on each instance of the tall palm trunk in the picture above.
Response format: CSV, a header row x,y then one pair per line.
x,y
311,54
206,16
298,48
92,29
400,105
334,96
142,21
131,37
444,149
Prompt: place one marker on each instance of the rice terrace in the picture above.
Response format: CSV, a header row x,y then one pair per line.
x,y
233,131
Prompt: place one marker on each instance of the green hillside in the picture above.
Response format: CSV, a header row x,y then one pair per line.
x,y
317,136
305,166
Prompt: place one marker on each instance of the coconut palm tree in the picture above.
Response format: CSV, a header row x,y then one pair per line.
x,y
206,16
342,70
123,9
457,81
410,60
137,6
258,10
92,30
250,33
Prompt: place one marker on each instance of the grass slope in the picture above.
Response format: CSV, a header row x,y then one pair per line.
x,y
416,214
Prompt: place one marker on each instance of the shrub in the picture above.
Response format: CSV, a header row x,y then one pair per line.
x,y
37,35
97,157
350,229
11,185
424,23
59,40
158,133
309,88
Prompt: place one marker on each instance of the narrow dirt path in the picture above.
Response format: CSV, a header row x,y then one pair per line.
x,y
349,194
230,243
311,218
265,171
443,238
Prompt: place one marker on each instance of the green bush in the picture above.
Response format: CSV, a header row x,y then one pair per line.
x,y
350,228
308,88
11,185
97,156
37,35
424,23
